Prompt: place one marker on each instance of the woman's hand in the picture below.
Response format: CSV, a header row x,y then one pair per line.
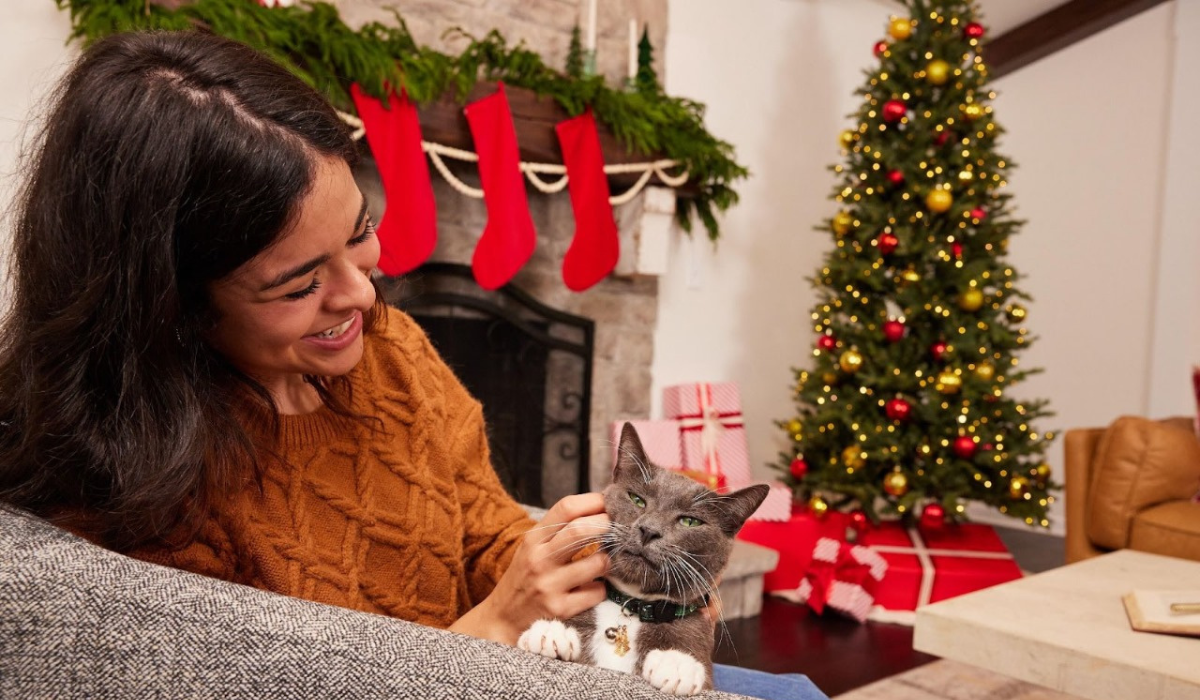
x,y
543,581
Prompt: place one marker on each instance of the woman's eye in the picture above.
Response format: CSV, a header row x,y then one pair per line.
x,y
314,286
637,500
368,231
689,521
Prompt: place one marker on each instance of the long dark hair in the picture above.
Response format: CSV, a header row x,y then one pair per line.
x,y
167,161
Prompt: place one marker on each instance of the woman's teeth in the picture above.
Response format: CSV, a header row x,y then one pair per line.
x,y
336,330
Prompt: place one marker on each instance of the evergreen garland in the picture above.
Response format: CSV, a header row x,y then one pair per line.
x,y
313,42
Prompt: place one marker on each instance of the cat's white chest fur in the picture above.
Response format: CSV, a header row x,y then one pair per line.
x,y
604,651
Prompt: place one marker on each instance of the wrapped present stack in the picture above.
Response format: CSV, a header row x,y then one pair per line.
x,y
919,566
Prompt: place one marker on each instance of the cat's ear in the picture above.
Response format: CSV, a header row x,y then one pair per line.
x,y
632,466
741,504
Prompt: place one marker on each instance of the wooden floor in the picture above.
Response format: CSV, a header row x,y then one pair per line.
x,y
837,653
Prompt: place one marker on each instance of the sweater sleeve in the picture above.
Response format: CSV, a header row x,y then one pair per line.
x,y
493,521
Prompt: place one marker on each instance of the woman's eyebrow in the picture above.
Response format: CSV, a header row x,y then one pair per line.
x,y
307,267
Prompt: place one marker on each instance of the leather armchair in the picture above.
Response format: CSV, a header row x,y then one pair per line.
x,y
1131,485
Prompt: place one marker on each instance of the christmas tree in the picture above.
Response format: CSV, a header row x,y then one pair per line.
x,y
909,406
574,68
646,79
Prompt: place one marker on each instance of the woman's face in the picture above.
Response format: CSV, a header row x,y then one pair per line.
x,y
297,308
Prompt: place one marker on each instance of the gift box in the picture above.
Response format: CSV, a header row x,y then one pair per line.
x,y
712,436
841,576
926,566
795,540
777,506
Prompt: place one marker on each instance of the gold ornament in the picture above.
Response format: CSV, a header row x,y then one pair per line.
x,y
938,72
1018,487
842,223
851,361
817,506
939,200
948,382
847,138
972,111
900,28
1042,471
908,276
895,483
970,300
985,371
1015,312
794,428
830,378
853,458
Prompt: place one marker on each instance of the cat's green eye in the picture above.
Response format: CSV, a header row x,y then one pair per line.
x,y
689,521
637,500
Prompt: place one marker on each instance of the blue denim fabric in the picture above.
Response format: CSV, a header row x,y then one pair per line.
x,y
768,686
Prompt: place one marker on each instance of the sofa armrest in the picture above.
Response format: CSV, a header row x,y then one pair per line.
x,y
78,621
1079,451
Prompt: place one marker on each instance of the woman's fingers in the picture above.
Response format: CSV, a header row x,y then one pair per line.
x,y
565,511
576,535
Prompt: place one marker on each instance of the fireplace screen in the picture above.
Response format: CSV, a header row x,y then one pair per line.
x,y
528,364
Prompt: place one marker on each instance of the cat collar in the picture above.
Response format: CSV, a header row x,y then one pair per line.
x,y
652,610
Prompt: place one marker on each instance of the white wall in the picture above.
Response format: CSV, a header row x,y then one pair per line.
x,y
32,56
1089,130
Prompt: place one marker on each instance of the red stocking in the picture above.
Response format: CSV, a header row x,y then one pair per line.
x,y
594,249
408,231
509,237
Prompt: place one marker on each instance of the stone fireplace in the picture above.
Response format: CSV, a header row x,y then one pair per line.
x,y
623,306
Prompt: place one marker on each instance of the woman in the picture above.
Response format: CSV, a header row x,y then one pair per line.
x,y
197,369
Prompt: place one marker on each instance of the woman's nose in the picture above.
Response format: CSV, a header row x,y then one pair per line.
x,y
354,288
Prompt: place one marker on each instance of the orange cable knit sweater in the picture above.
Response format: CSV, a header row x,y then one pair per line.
x,y
411,522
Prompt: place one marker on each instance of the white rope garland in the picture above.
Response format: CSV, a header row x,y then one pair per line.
x,y
533,171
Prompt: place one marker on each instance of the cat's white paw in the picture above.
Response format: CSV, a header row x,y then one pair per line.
x,y
551,638
674,672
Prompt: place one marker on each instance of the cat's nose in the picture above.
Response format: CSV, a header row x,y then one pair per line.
x,y
649,534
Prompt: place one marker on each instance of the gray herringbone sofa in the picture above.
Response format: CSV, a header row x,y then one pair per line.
x,y
77,621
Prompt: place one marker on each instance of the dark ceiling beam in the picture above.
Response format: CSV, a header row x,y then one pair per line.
x,y
1057,29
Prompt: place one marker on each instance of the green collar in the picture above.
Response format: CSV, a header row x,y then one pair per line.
x,y
652,610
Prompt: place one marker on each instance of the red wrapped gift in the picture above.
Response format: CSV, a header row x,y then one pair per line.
x,y
794,540
712,435
928,566
842,576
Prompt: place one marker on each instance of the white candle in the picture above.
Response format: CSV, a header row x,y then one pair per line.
x,y
633,49
591,27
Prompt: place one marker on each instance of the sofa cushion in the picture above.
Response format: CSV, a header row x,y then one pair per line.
x,y
1139,463
1170,528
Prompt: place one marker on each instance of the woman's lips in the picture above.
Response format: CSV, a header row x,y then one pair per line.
x,y
343,334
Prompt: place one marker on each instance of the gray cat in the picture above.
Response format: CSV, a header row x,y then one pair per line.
x,y
669,540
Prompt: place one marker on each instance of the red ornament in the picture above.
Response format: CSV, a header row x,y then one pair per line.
x,y
827,342
939,349
859,521
964,446
933,517
798,468
973,30
893,330
942,137
895,177
894,110
880,47
978,214
956,248
898,410
887,243
987,447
